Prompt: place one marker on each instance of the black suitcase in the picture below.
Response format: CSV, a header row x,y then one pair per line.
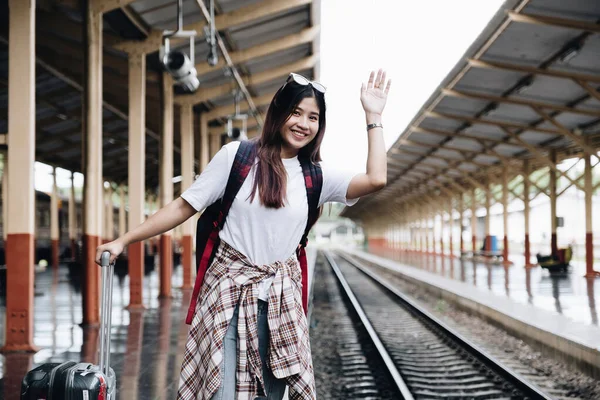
x,y
79,381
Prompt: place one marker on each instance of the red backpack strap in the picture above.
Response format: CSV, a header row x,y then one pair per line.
x,y
313,179
213,218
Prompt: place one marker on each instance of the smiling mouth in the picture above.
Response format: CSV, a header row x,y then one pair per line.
x,y
299,135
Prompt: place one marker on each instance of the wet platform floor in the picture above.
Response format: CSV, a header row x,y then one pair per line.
x,y
146,346
569,294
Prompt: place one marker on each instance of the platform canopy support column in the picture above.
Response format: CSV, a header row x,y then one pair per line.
x,y
93,184
166,184
54,228
473,220
488,196
215,144
589,239
450,228
461,210
204,150
4,193
72,218
21,157
110,215
122,211
553,198
187,178
526,210
137,171
505,212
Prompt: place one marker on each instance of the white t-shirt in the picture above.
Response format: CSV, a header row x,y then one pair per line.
x,y
264,235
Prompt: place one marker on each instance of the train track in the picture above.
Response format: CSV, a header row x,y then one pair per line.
x,y
424,359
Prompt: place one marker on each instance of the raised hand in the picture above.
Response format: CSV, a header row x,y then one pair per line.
x,y
373,96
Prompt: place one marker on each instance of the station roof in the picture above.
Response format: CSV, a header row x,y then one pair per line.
x,y
527,87
265,40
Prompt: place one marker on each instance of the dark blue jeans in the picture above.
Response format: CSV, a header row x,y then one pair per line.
x,y
274,387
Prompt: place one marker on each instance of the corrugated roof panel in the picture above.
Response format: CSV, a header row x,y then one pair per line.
x,y
279,58
467,144
448,153
485,131
490,81
513,113
440,124
485,159
536,138
554,89
271,29
422,137
461,105
508,150
528,44
577,9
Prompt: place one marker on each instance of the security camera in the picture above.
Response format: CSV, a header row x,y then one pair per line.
x,y
182,69
176,62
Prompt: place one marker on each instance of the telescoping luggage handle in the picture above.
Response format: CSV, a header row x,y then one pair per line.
x,y
106,312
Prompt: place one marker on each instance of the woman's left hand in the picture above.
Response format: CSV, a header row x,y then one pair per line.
x,y
373,96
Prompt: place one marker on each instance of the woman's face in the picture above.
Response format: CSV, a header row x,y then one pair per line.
x,y
300,128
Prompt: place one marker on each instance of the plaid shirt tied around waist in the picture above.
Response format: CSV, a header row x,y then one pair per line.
x,y
233,279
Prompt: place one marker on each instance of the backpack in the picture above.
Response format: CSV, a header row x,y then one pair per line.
x,y
212,219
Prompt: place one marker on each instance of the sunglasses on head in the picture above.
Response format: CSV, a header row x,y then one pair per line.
x,y
301,80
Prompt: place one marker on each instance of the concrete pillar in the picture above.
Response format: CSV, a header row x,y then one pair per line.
x,y
461,210
505,212
166,185
474,220
187,178
450,228
20,199
110,215
204,150
215,144
553,198
526,185
137,172
488,199
4,194
589,240
72,218
93,184
122,211
442,225
54,228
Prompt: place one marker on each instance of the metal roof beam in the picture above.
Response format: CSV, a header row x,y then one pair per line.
x,y
554,21
240,16
306,35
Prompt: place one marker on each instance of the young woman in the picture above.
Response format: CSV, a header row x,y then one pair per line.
x,y
249,334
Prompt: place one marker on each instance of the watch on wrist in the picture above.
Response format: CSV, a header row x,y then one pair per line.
x,y
371,126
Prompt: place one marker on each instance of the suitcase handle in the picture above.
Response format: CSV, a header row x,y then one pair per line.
x,y
106,311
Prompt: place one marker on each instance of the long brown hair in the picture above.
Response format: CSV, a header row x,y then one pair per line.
x,y
271,178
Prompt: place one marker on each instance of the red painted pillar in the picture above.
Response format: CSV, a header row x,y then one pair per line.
x,y
91,279
187,262
166,265
135,253
19,246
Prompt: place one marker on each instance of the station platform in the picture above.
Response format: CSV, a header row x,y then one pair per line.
x,y
555,312
147,347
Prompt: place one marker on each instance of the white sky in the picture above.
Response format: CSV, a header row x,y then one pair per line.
x,y
417,42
